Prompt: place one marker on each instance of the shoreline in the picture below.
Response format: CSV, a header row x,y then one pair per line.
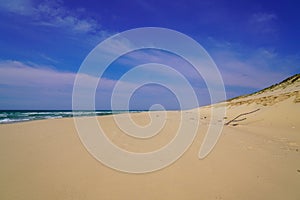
x,y
52,114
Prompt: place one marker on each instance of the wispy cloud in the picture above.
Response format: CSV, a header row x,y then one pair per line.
x,y
29,86
264,23
116,47
22,7
252,68
26,86
263,17
16,73
53,24
48,58
146,5
53,14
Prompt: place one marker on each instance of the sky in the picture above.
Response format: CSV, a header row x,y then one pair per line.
x,y
254,44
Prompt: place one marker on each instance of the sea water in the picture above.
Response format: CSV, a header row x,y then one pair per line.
x,y
13,116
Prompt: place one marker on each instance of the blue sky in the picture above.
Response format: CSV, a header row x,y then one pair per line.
x,y
43,43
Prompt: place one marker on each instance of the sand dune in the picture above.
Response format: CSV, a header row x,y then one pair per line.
x,y
256,158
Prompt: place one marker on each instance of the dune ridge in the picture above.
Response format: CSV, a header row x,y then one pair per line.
x,y
278,92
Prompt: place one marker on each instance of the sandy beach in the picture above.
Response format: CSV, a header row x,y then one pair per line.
x,y
256,158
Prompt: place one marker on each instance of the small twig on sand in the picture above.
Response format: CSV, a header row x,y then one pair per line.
x,y
237,120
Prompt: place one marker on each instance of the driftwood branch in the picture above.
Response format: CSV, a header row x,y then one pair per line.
x,y
236,118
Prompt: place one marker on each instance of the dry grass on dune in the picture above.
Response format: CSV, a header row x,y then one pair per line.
x,y
290,87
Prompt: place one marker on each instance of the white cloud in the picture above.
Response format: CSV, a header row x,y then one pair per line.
x,y
263,17
242,74
251,69
25,86
54,14
264,23
16,73
22,7
33,87
115,47
257,69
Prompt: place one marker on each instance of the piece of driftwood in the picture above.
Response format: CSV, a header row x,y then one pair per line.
x,y
238,120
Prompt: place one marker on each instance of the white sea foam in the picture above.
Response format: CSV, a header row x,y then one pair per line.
x,y
20,116
7,120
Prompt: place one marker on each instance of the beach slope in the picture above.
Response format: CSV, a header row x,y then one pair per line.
x,y
256,157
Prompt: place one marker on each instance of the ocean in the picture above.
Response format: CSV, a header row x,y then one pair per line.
x,y
13,116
